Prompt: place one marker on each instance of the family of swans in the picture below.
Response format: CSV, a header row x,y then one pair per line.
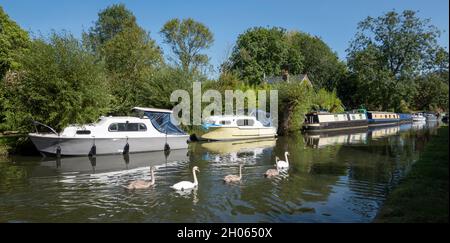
x,y
186,185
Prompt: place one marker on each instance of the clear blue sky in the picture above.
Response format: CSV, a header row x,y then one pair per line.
x,y
334,21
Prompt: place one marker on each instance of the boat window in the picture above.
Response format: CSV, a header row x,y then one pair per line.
x,y
83,132
225,122
245,122
113,127
142,127
127,127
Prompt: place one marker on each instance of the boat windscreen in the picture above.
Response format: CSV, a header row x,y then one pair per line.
x,y
262,117
161,121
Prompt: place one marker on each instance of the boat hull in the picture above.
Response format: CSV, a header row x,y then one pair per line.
x,y
238,133
383,122
48,144
419,119
334,126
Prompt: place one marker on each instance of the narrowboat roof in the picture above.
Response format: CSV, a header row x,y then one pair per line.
x,y
329,113
152,109
382,112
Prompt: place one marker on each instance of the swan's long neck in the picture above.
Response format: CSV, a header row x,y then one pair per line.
x,y
286,157
195,177
153,177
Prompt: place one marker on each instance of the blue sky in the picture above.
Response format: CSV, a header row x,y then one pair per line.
x,y
334,21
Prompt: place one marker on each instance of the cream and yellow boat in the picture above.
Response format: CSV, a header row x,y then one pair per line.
x,y
225,128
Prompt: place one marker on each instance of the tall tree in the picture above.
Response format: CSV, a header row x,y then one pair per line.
x,y
187,38
388,53
13,42
131,57
263,52
320,63
111,21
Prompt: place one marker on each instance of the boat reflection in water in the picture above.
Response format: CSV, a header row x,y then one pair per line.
x,y
381,132
236,151
354,136
107,163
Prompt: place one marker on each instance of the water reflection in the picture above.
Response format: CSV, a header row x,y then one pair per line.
x,y
318,140
333,177
52,166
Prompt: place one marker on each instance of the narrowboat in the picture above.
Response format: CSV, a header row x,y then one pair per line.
x,y
149,130
381,118
325,121
405,117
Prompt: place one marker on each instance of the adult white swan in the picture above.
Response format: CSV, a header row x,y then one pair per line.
x,y
183,185
233,178
283,164
141,184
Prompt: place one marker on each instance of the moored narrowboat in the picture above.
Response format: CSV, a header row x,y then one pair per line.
x,y
325,121
381,118
405,117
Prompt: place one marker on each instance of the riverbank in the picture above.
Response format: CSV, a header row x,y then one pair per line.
x,y
423,195
16,144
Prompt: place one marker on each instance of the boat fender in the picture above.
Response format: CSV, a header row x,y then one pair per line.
x,y
58,151
93,151
126,149
166,147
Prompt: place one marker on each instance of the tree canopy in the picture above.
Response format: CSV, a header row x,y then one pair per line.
x,y
131,57
388,54
263,52
60,83
320,63
13,42
187,38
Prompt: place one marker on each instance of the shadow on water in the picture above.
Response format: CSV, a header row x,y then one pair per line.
x,y
333,177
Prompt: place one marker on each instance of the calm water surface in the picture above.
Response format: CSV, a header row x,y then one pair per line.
x,y
334,177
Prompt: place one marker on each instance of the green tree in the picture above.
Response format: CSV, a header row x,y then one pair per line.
x,y
111,21
60,82
13,42
263,52
187,38
320,63
131,57
432,93
388,53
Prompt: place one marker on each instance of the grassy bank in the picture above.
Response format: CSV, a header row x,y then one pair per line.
x,y
423,195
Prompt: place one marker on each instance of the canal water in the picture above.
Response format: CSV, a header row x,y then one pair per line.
x,y
333,177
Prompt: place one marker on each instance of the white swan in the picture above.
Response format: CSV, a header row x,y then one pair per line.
x,y
183,185
233,178
141,184
283,164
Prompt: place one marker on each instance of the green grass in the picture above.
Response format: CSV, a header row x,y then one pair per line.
x,y
422,196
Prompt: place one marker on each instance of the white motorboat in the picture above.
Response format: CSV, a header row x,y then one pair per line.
x,y
150,130
418,117
236,127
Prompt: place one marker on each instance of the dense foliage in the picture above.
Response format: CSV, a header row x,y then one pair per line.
x,y
59,83
389,59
